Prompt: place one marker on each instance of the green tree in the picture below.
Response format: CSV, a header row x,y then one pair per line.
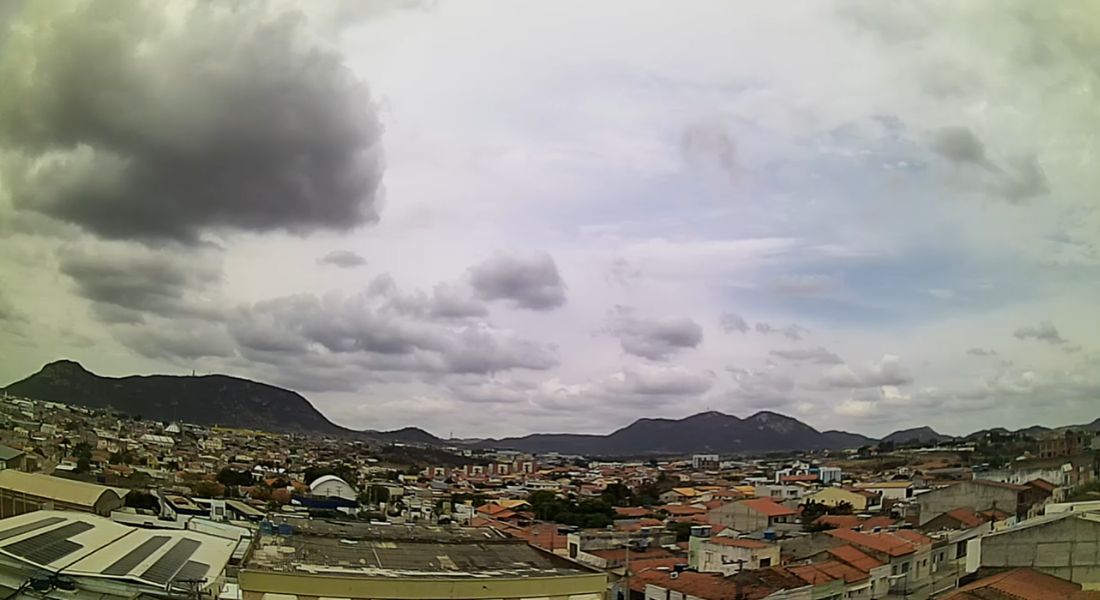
x,y
142,499
231,478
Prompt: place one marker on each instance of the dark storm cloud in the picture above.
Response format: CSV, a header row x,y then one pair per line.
x,y
1043,332
137,122
1015,179
127,283
528,281
653,338
345,259
819,355
960,145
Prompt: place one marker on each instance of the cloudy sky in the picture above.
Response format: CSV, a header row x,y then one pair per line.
x,y
504,217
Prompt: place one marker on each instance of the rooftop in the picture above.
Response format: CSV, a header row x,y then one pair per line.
x,y
768,507
339,548
55,488
1017,584
84,545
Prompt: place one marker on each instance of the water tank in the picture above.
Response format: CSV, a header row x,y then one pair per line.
x,y
769,534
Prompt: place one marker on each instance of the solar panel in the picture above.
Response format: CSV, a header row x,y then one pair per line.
x,y
171,562
133,558
192,571
27,527
50,546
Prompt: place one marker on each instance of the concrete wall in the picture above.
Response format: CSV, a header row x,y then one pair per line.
x,y
965,494
1068,548
738,516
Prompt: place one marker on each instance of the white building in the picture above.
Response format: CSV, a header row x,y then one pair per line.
x,y
331,486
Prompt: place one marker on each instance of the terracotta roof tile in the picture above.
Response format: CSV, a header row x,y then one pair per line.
x,y
855,557
1017,584
768,507
897,543
967,518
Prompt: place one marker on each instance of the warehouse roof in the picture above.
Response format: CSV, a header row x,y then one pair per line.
x,y
82,545
56,488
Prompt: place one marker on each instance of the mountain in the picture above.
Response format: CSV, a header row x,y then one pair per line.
x,y
844,439
705,432
407,435
923,435
204,399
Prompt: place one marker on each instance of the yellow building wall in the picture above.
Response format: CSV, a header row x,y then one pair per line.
x,y
834,496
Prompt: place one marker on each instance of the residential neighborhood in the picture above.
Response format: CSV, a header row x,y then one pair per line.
x,y
919,522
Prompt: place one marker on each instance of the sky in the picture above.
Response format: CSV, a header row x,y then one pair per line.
x,y
497,218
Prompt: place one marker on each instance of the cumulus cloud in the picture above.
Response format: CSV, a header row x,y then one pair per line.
x,y
1043,332
135,120
656,380
448,300
732,322
345,259
791,332
127,283
888,371
529,281
653,338
818,355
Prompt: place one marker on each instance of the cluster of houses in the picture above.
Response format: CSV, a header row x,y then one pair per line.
x,y
920,525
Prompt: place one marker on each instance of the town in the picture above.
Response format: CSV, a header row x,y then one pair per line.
x,y
93,497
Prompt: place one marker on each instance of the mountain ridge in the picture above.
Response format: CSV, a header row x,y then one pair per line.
x,y
218,399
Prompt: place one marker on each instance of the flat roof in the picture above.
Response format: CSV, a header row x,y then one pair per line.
x,y
324,547
85,545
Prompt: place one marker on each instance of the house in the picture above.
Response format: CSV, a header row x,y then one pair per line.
x,y
888,490
331,486
980,495
959,518
856,522
727,555
681,494
1063,545
1020,584
1068,443
860,500
26,492
756,514
906,551
10,458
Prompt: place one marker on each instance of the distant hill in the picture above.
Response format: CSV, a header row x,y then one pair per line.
x,y
844,439
923,435
204,399
407,435
705,432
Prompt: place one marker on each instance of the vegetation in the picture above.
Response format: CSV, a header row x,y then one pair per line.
x,y
811,511
592,513
83,453
374,494
340,470
1084,493
231,478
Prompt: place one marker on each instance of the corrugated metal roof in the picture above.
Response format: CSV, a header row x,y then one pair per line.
x,y
109,550
77,493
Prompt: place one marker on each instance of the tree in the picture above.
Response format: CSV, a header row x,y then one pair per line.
x,y
618,495
340,470
683,530
121,458
208,489
374,494
231,478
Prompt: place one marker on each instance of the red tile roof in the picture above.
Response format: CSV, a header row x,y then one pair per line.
x,y
1042,484
1017,584
855,557
766,506
632,511
710,586
808,477
830,570
853,521
967,518
897,543
682,510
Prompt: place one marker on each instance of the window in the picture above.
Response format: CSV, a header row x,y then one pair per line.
x,y
765,562
905,567
960,549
